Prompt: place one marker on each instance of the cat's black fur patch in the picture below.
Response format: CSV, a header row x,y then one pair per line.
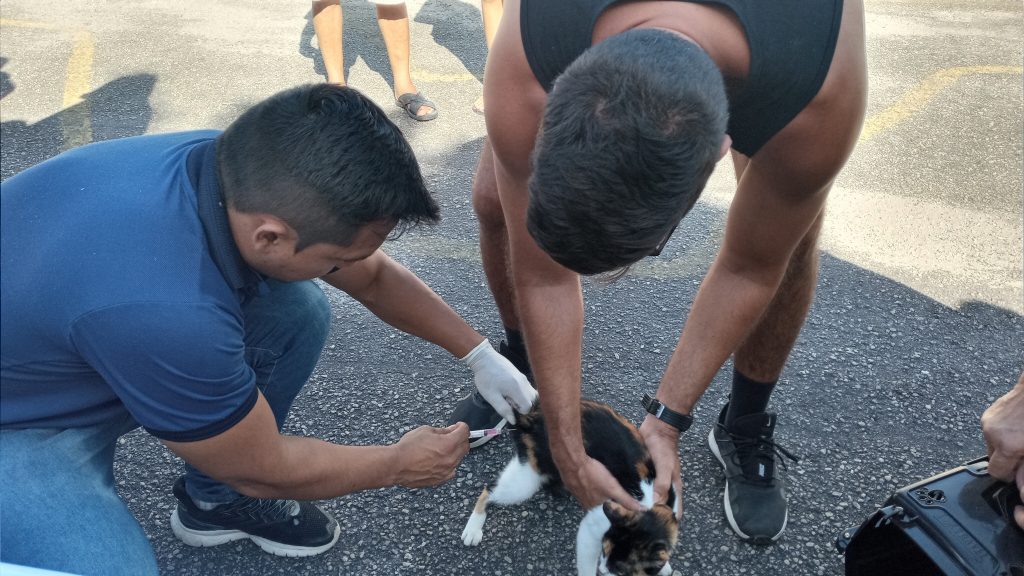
x,y
608,438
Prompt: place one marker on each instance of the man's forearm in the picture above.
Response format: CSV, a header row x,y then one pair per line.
x,y
311,469
552,317
727,307
400,298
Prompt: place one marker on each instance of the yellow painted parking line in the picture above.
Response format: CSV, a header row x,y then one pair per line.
x,y
76,113
28,24
915,100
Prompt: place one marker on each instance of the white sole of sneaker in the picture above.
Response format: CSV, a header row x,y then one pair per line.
x,y
206,538
713,446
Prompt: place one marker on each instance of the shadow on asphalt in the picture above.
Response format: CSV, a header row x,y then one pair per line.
x,y
456,25
118,109
6,84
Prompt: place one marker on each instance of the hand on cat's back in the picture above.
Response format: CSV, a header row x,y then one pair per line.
x,y
429,456
592,484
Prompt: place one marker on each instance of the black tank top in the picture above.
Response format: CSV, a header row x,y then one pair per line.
x,y
791,46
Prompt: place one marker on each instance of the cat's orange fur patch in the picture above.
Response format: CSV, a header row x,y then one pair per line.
x,y
531,452
481,502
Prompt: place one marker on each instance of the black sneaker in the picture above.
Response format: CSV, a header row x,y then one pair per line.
x,y
476,412
754,499
281,527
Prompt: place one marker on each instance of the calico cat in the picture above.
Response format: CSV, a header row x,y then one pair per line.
x,y
611,539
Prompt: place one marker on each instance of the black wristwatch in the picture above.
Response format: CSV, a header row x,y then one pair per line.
x,y
674,419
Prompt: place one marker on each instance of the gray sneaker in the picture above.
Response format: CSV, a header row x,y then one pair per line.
x,y
755,498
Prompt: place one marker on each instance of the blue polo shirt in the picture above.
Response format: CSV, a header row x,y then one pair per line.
x,y
121,290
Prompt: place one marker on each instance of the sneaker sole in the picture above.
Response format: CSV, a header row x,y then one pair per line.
x,y
476,442
207,538
759,540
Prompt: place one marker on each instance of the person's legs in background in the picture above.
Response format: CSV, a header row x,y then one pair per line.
x,y
59,509
490,11
393,19
328,22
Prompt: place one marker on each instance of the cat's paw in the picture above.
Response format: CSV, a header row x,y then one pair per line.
x,y
474,533
472,536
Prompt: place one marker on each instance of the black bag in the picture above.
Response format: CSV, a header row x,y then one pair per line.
x,y
958,523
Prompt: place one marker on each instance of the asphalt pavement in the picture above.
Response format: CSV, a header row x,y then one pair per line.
x,y
916,328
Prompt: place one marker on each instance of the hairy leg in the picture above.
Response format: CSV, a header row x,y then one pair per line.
x,y
763,354
517,482
494,238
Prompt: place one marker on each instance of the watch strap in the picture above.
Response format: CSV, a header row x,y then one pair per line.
x,y
677,420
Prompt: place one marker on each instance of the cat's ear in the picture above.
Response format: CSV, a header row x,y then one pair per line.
x,y
618,514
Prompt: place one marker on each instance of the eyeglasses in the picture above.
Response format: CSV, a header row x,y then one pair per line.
x,y
661,245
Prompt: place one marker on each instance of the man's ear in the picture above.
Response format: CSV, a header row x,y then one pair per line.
x,y
272,233
726,145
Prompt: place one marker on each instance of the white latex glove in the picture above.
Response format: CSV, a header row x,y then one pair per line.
x,y
499,382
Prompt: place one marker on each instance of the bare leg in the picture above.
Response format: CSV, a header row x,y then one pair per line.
x,y
394,27
763,354
328,23
491,11
494,238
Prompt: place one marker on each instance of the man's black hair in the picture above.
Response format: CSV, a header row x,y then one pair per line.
x,y
631,132
327,161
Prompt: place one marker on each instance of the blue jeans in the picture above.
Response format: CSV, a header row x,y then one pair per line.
x,y
58,505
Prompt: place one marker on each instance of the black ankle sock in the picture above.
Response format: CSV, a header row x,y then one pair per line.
x,y
517,351
515,342
747,397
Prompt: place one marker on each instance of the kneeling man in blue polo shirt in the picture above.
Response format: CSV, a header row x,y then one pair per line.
x,y
164,281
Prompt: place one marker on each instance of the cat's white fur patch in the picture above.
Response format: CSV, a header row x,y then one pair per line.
x,y
474,531
647,488
518,481
589,541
